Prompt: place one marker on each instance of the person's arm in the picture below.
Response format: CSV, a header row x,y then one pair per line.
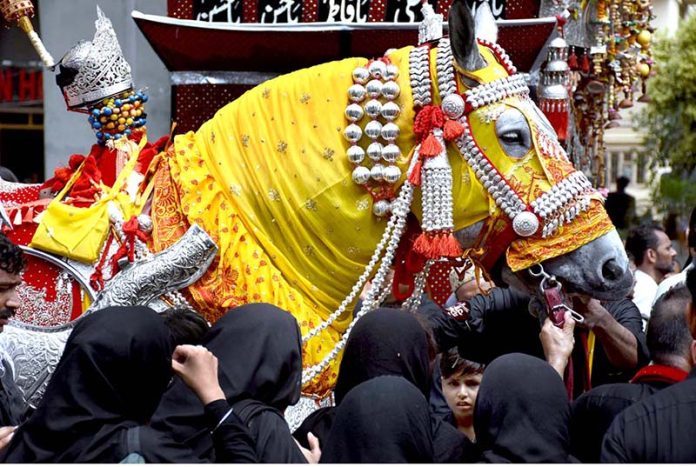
x,y
619,344
613,449
198,368
558,343
6,434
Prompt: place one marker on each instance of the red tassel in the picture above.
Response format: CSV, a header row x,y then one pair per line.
x,y
573,61
585,63
424,245
415,176
557,113
453,130
451,247
430,147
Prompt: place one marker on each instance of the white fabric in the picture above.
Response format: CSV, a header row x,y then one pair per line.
x,y
672,281
643,294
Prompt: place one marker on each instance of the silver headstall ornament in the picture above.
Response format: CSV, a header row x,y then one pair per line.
x,y
95,70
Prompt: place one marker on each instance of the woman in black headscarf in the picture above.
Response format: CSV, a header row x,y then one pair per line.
x,y
116,364
522,412
387,341
260,372
384,419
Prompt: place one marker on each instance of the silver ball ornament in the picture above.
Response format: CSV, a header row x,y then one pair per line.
x,y
373,129
391,152
390,111
390,131
354,112
392,72
391,174
374,151
361,75
377,69
374,88
373,108
355,154
361,175
357,93
145,223
377,172
353,133
391,90
381,208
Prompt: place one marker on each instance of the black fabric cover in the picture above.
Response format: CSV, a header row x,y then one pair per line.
x,y
522,412
258,347
115,366
385,419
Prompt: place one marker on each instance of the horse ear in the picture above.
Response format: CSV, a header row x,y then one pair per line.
x,y
462,37
486,29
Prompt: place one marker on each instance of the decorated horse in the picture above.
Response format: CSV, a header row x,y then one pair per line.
x,y
316,182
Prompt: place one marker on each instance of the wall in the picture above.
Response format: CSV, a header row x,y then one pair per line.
x,y
63,24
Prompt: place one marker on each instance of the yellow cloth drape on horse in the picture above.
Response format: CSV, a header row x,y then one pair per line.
x,y
267,177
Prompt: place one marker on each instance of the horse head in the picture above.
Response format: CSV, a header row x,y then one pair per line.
x,y
540,209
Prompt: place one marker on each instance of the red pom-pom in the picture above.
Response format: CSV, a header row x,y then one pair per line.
x,y
63,174
452,130
75,161
437,118
422,126
430,147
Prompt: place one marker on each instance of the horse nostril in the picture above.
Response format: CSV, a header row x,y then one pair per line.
x,y
611,271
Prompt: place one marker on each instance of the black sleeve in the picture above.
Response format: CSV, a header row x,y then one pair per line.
x,y
613,449
447,331
274,442
232,440
626,313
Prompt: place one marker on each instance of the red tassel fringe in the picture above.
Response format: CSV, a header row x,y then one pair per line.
x,y
452,130
430,147
585,63
434,246
415,176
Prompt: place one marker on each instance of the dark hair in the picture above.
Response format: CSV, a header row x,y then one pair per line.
x,y
668,331
7,175
11,257
451,363
622,182
640,239
691,283
185,325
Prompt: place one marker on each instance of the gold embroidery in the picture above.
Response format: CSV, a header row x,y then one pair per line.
x,y
308,250
266,93
245,141
282,147
212,137
363,204
311,205
273,195
305,98
328,154
236,189
352,251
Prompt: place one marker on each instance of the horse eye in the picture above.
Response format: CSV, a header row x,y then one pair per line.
x,y
511,137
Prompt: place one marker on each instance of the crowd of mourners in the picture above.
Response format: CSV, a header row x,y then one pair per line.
x,y
488,379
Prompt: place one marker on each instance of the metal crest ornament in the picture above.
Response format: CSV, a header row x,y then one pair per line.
x,y
453,106
430,29
525,224
101,71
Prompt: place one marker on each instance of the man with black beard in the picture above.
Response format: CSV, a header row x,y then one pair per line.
x,y
12,404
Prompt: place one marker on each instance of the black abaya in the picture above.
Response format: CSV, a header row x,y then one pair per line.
x,y
522,412
385,419
258,347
